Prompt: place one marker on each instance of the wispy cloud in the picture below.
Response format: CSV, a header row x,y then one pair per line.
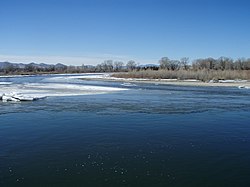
x,y
71,60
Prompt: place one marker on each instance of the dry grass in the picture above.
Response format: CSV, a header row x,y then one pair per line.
x,y
203,75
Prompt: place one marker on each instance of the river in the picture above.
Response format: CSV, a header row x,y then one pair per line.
x,y
102,133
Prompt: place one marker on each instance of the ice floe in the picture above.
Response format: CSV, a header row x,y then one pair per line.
x,y
6,98
5,83
16,97
34,91
243,87
127,84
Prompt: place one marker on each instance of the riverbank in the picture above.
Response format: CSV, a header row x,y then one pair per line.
x,y
113,77
187,82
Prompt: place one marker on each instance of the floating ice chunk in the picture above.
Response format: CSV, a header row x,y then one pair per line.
x,y
243,87
7,98
24,98
128,84
15,97
5,83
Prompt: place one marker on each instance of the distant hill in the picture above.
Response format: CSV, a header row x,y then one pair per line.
x,y
5,65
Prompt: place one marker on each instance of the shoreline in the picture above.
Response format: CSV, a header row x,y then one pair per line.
x,y
188,82
225,83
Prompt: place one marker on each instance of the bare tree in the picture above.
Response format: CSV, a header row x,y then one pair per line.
x,y
107,66
131,65
174,64
118,65
110,65
184,63
164,63
246,64
238,64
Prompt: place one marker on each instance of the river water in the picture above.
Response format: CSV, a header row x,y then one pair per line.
x,y
117,134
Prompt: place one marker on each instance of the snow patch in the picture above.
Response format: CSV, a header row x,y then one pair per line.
x,y
191,80
232,81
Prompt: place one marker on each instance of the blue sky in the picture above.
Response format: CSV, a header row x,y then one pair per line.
x,y
90,31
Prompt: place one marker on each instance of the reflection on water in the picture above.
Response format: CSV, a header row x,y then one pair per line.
x,y
149,135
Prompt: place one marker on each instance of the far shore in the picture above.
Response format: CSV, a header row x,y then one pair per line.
x,y
188,82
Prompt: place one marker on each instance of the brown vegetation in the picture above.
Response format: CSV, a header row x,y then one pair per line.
x,y
203,75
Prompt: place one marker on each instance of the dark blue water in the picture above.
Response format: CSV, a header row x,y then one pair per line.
x,y
150,135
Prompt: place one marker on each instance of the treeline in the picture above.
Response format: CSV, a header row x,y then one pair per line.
x,y
208,69
106,66
222,63
33,68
